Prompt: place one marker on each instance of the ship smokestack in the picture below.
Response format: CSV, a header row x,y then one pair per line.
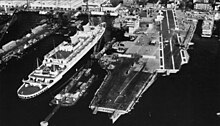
x,y
44,123
86,27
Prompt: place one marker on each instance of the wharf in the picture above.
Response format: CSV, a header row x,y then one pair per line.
x,y
26,41
134,68
95,7
43,4
61,5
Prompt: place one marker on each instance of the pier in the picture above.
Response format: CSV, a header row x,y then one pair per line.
x,y
97,7
58,5
62,5
18,47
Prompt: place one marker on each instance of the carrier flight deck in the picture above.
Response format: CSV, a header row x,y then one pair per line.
x,y
134,68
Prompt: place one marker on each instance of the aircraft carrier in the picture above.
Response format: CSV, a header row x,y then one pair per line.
x,y
134,68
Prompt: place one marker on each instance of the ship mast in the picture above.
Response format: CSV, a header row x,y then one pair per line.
x,y
37,63
87,10
27,3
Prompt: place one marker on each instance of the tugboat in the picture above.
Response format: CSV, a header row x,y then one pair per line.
x,y
60,60
75,89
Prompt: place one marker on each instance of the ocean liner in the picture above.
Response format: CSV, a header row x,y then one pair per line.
x,y
60,60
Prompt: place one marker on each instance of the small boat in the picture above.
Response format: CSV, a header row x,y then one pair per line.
x,y
75,89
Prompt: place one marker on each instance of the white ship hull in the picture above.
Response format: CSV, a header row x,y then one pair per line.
x,y
69,65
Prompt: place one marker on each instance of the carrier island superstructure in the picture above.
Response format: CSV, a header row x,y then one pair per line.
x,y
133,69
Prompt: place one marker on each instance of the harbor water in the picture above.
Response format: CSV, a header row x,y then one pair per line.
x,y
188,98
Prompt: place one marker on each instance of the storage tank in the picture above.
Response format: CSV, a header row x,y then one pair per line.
x,y
38,28
9,45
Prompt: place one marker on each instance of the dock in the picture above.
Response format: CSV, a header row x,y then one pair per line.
x,y
18,47
62,5
95,7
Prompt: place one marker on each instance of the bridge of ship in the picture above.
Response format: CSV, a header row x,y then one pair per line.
x,y
53,62
46,71
67,51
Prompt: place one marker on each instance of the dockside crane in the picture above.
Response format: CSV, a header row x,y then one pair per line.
x,y
7,25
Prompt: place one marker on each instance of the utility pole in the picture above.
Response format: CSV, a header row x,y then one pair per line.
x,y
28,3
87,9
